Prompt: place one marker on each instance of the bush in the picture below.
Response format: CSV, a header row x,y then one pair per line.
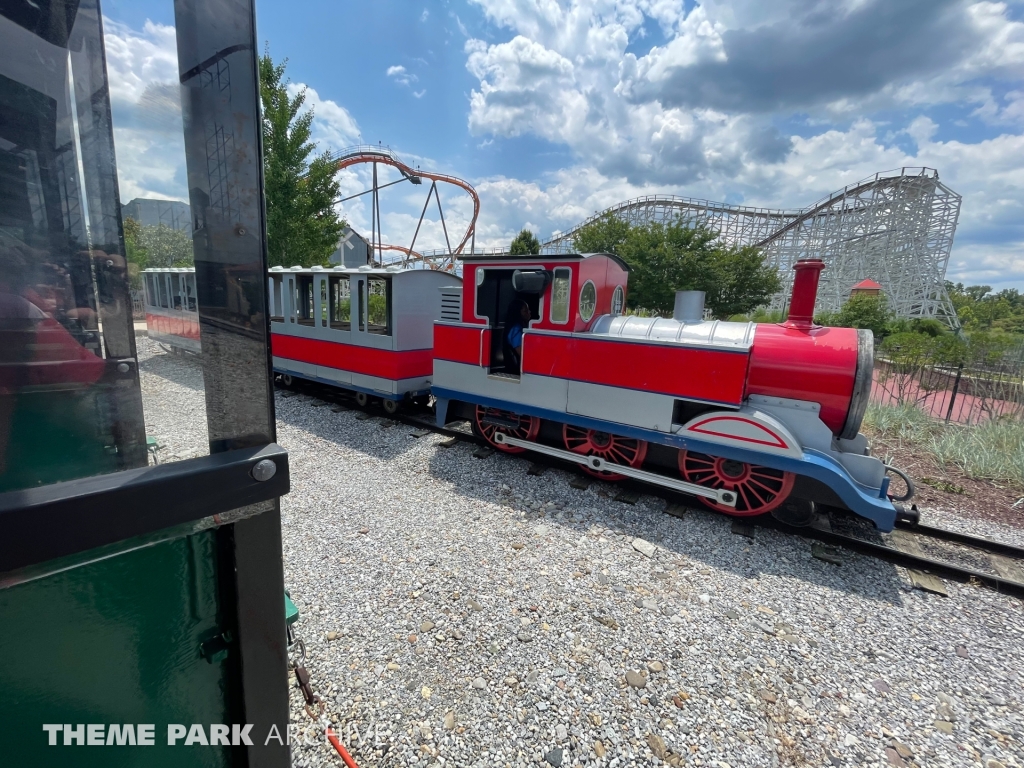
x,y
865,311
904,422
993,450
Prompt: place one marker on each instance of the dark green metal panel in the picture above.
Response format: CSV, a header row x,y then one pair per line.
x,y
116,641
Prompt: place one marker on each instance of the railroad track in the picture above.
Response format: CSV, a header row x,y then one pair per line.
x,y
928,552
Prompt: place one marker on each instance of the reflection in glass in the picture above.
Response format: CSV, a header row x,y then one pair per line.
x,y
69,396
72,259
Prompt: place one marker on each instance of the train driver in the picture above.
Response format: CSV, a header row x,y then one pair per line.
x,y
516,319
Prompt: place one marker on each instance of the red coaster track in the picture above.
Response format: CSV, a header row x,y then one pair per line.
x,y
384,155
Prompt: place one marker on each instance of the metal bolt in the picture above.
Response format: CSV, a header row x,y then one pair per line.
x,y
727,497
264,470
123,368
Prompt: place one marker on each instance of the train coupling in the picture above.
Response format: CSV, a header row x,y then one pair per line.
x,y
910,516
911,488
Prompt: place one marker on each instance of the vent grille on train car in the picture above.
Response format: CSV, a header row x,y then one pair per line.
x,y
451,305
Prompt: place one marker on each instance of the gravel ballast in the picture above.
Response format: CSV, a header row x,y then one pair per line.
x,y
458,611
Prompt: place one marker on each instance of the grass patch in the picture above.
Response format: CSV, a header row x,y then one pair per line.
x,y
990,451
903,422
943,485
993,450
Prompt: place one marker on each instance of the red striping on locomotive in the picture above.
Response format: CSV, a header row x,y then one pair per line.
x,y
368,361
460,344
818,365
700,374
772,439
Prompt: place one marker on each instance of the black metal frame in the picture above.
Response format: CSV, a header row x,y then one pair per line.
x,y
62,519
217,56
217,62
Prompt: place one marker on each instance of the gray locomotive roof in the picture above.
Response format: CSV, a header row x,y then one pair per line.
x,y
482,257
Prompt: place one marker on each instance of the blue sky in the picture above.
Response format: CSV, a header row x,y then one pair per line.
x,y
554,109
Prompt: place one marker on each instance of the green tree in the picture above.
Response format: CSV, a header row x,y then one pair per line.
x,y
863,310
524,244
138,257
302,226
165,246
978,309
604,235
669,257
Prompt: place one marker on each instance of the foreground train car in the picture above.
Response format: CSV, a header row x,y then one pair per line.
x,y
171,313
749,417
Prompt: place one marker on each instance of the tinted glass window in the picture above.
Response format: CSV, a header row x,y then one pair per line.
x,y
560,296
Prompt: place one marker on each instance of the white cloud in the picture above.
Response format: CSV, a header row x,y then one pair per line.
x,y
333,127
142,67
401,75
137,59
699,115
149,145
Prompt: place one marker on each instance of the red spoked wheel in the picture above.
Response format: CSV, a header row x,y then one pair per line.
x,y
612,448
758,489
488,421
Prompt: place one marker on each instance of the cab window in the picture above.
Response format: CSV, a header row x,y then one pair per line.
x,y
560,295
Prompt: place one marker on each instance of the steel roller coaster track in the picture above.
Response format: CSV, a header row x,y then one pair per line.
x,y
380,155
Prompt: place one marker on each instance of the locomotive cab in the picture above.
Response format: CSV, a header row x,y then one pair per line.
x,y
496,292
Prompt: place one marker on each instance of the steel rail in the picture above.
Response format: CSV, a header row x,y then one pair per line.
x,y
978,542
898,556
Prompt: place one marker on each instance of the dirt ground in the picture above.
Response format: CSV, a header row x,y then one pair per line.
x,y
946,487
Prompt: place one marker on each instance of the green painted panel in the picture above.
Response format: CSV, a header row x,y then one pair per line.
x,y
116,641
52,438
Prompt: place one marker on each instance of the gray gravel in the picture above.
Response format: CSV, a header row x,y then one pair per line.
x,y
486,617
173,401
